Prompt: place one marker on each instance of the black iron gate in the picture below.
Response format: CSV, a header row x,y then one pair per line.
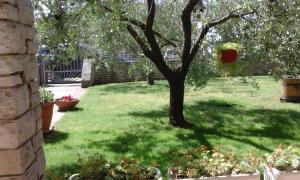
x,y
53,71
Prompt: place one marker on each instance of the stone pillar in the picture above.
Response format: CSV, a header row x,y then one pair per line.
x,y
88,73
21,139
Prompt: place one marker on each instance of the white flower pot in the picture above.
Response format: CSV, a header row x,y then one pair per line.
x,y
289,176
231,177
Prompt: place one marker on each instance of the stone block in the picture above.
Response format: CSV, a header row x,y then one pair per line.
x,y
38,112
35,100
41,162
25,12
12,38
39,124
31,47
30,174
14,102
11,2
10,65
8,12
29,32
37,141
16,161
33,86
31,68
15,133
10,81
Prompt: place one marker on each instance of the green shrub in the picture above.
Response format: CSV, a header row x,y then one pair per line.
x,y
284,158
97,167
46,95
198,162
203,162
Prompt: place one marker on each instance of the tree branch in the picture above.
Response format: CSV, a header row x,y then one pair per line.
x,y
139,24
205,30
231,15
187,32
139,40
151,15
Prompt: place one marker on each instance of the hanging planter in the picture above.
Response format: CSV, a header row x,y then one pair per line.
x,y
227,57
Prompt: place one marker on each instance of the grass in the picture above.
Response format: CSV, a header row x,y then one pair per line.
x,y
131,120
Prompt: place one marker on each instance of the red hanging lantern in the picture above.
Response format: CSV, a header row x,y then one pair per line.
x,y
228,56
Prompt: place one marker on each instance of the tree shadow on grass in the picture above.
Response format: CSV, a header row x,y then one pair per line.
x,y
135,87
237,123
149,141
220,119
75,109
55,137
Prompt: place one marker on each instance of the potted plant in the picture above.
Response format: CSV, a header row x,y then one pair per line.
x,y
283,164
47,104
210,164
227,56
97,167
200,163
66,103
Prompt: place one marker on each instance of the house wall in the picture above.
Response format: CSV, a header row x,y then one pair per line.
x,y
21,139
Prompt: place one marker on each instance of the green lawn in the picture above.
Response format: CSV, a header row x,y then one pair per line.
x,y
131,120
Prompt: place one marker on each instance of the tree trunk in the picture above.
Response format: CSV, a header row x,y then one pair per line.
x,y
176,104
150,78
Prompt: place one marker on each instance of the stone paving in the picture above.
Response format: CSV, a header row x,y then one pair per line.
x,y
60,90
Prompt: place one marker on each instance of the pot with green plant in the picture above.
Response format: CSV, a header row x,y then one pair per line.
x,y
47,104
227,55
283,164
201,163
96,167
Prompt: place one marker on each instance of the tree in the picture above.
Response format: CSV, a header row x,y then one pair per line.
x,y
147,24
140,68
147,39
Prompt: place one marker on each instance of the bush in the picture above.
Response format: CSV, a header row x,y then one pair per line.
x,y
97,167
284,159
198,162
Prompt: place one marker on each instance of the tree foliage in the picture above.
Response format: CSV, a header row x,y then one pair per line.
x,y
192,27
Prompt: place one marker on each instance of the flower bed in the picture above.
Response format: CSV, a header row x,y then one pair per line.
x,y
97,167
201,163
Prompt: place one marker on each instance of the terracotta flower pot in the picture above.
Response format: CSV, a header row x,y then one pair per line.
x,y
228,56
66,105
47,113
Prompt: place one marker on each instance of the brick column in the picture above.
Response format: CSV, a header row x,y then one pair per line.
x,y
21,139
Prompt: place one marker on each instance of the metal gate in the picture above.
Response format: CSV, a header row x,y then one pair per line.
x,y
54,71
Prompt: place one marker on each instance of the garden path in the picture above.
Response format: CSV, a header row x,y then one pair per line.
x,y
60,90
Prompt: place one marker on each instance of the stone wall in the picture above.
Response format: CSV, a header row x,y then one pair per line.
x,y
104,75
21,138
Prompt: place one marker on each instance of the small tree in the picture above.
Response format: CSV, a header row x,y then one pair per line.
x,y
148,24
147,39
140,68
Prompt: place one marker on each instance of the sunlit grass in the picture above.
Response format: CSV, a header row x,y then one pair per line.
x,y
131,120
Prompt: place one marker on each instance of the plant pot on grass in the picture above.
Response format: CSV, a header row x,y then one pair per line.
x,y
290,89
66,103
47,104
